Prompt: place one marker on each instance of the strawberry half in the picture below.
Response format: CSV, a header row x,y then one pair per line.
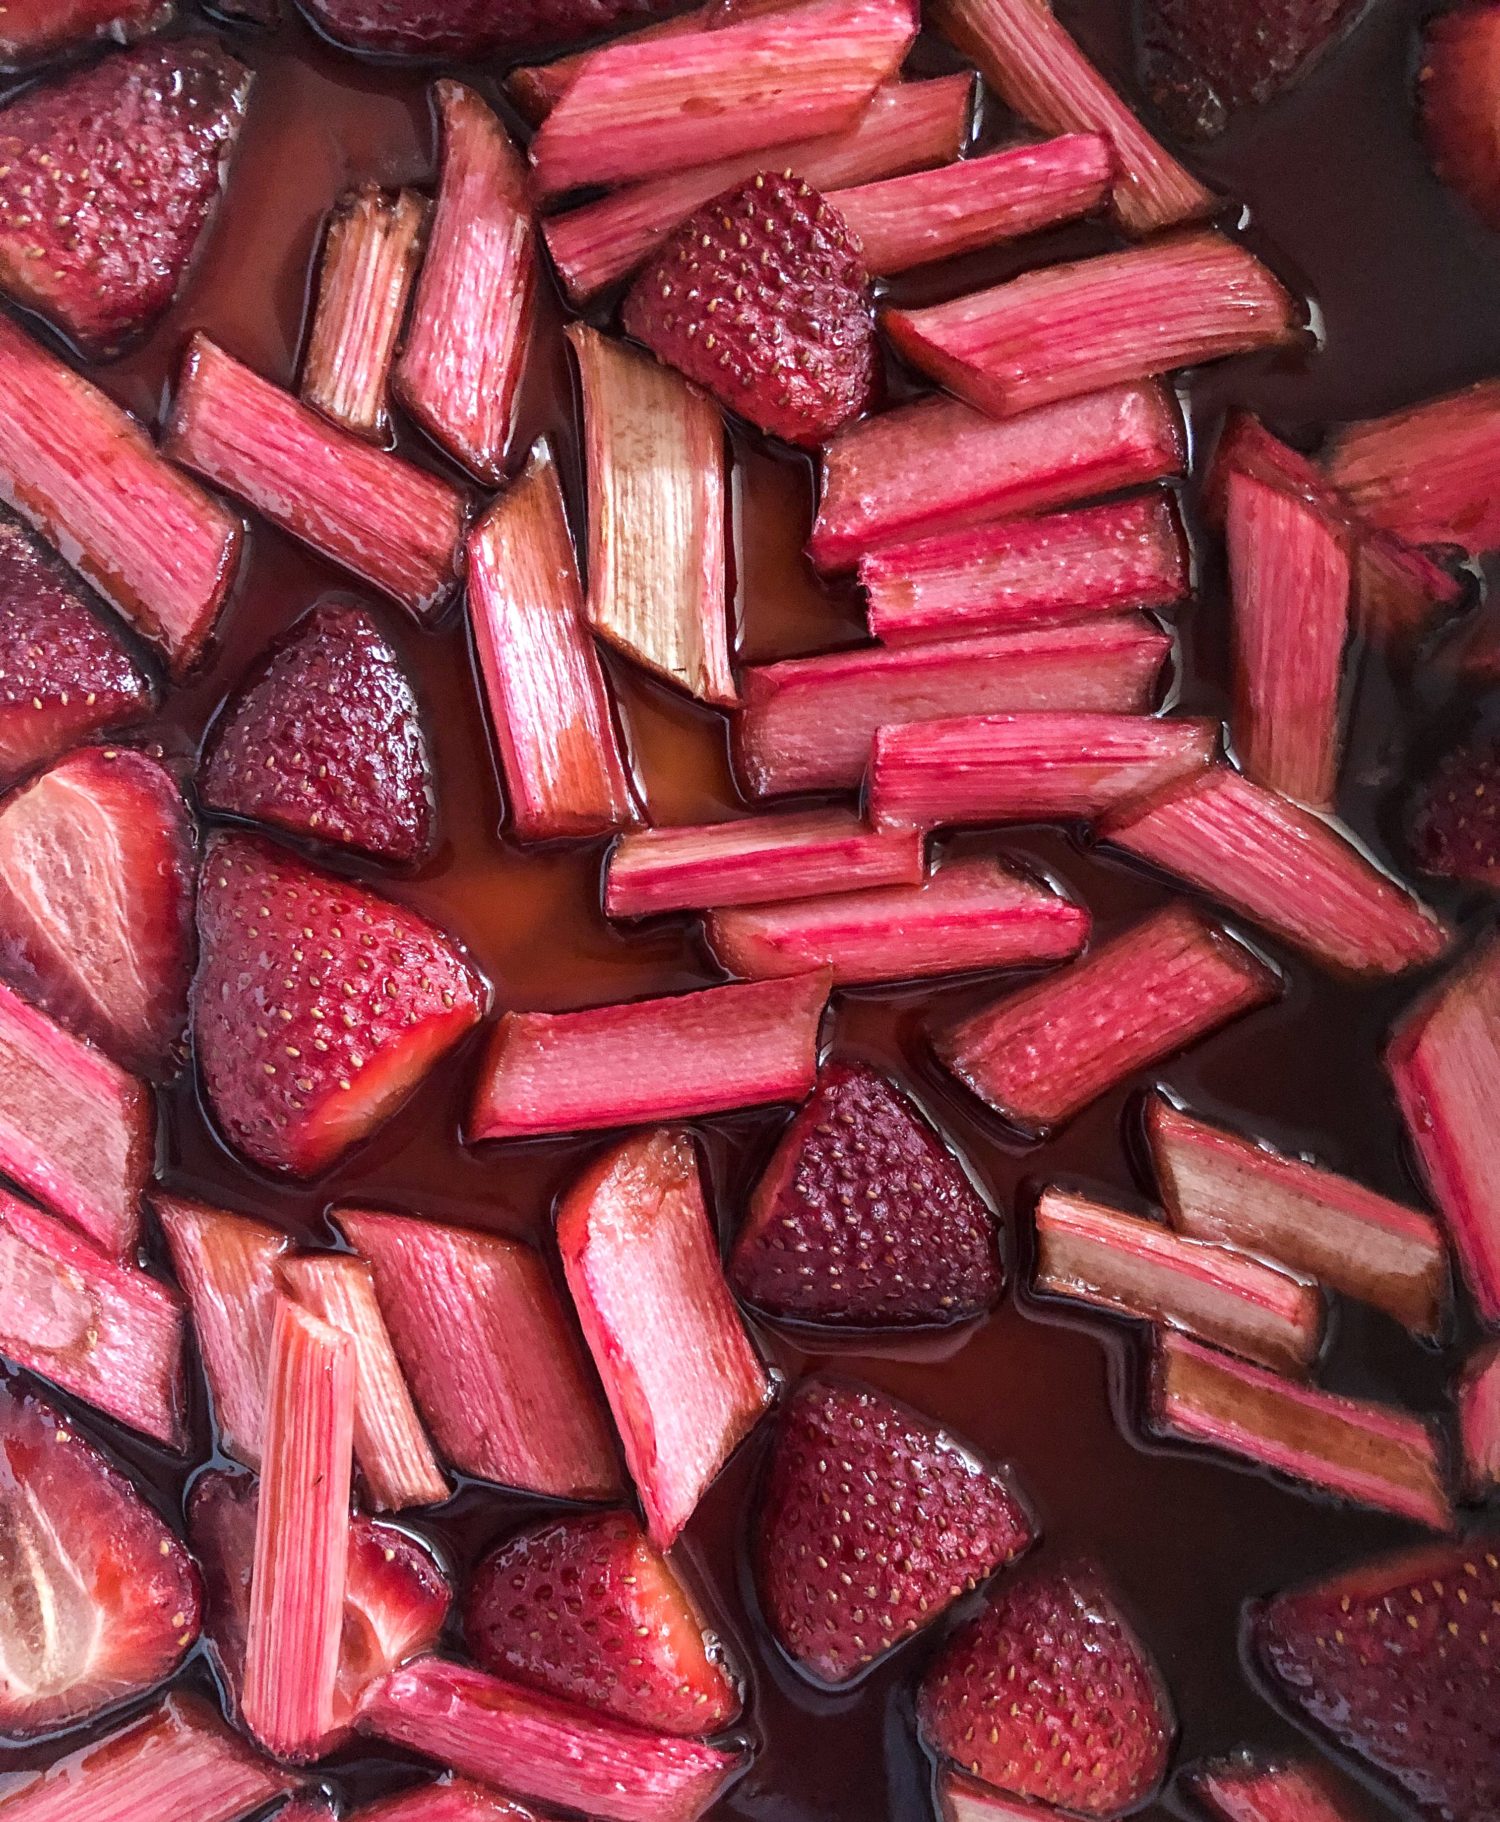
x,y
588,1609
865,1217
109,178
1460,95
471,28
762,298
326,741
1456,825
1396,1660
874,1522
33,30
318,1005
99,1599
1049,1694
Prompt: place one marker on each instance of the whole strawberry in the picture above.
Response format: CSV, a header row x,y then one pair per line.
x,y
1456,829
762,298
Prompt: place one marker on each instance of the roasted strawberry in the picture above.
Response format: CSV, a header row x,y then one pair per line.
x,y
318,1005
763,299
32,30
1456,826
327,741
99,1599
874,1521
107,181
472,28
1460,89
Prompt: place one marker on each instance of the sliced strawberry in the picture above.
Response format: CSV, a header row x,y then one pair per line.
x,y
327,741
33,30
1460,91
874,1522
1050,1694
1456,828
471,28
763,299
318,1005
1396,1660
1246,1789
588,1609
109,178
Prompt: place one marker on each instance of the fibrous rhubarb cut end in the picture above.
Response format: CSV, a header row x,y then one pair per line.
x,y
1246,1789
1368,1454
35,30
495,1367
396,526
1460,80
711,1051
1042,1055
1479,1420
560,751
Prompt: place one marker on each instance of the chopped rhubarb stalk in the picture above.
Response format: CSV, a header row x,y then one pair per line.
x,y
560,751
961,1798
637,108
756,862
76,1132
496,1369
967,914
1029,59
1092,1254
656,497
910,221
1243,1789
1369,1454
1285,867
394,525
84,473
450,1799
938,466
370,257
1029,572
808,723
106,1332
460,371
1064,330
1042,1055
33,30
1444,1060
226,1264
908,126
683,1379
1028,767
1479,1420
543,1749
1220,1187
395,1458
713,1051
295,1633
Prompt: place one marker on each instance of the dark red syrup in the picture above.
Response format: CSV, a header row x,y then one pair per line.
x,y
1339,198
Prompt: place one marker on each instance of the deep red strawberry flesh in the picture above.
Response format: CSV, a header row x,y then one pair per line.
x,y
1460,103
32,29
471,28
1456,825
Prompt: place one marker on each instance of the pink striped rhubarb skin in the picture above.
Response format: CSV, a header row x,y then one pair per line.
x,y
1479,1420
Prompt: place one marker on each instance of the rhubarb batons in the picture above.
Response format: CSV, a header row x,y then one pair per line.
x,y
1479,1420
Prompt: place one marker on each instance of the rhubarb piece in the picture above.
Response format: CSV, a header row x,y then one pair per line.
x,y
712,1051
226,1264
1049,1694
1347,1448
642,107
470,28
755,862
1089,1253
1042,1055
460,371
495,1368
1028,767
1456,829
968,913
76,1132
1283,866
938,466
100,1600
1036,68
1243,1789
108,179
588,1610
654,448
397,527
683,1379
808,723
764,299
34,30
1066,330
1424,473
961,1799
371,251
561,754
1479,1420
449,1799
84,473
1228,1190
1396,1660
911,221
874,1521
326,741
1029,572
1460,91
318,1006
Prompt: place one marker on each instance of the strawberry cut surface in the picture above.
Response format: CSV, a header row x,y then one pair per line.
x,y
33,30
1460,103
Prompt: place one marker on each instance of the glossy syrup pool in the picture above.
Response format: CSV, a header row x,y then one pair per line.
x,y
1339,198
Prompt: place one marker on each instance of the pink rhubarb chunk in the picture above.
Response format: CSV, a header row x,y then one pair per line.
x,y
1479,1420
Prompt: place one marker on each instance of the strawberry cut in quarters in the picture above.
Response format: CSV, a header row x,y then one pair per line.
x,y
471,28
1456,824
33,30
1460,92
1248,1789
